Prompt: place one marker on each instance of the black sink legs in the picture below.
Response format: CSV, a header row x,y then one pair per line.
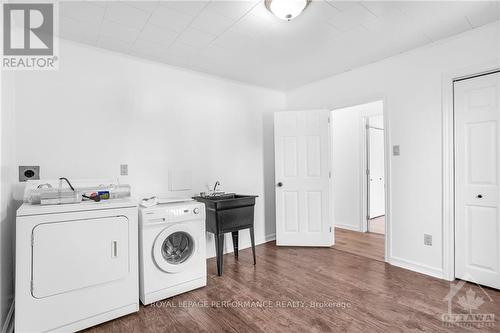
x,y
235,243
252,240
219,249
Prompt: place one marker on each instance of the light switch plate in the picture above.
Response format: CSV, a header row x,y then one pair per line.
x,y
123,169
427,240
29,172
395,150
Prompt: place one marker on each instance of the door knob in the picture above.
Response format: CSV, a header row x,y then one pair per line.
x,y
479,196
279,184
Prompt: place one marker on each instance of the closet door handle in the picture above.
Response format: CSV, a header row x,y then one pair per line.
x,y
280,184
479,196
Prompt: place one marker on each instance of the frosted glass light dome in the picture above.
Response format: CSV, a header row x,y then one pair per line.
x,y
286,9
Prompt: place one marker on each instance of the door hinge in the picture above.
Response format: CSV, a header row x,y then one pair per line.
x,y
367,171
330,229
329,174
328,119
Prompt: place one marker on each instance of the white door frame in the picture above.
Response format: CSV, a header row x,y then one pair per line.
x,y
448,159
364,184
365,176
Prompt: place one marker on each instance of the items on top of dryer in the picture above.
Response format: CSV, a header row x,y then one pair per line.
x,y
61,191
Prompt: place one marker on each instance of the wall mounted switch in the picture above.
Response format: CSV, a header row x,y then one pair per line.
x,y
395,150
123,169
427,240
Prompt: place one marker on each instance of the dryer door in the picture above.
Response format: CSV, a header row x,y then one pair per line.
x,y
76,254
174,248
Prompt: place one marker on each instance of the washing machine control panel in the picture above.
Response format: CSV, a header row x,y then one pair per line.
x,y
177,213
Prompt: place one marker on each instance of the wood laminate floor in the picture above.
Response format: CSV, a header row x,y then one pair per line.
x,y
377,225
365,244
307,290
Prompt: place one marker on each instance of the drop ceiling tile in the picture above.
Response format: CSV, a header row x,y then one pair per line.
x,y
342,5
232,9
382,8
234,40
212,22
78,31
112,30
196,38
319,10
82,11
114,44
147,47
182,50
168,18
190,7
147,6
389,21
97,3
484,13
351,18
157,34
122,13
445,28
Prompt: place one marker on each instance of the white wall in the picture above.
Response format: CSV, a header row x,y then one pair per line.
x,y
102,109
7,205
347,162
411,86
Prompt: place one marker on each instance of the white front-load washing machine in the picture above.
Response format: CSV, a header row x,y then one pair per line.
x,y
172,252
76,265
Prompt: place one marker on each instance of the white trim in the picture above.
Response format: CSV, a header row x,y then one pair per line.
x,y
388,193
416,267
347,227
448,227
8,324
364,176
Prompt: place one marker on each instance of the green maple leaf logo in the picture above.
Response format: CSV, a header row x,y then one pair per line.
x,y
470,302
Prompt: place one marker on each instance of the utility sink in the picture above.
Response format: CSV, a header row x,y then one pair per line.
x,y
228,212
227,201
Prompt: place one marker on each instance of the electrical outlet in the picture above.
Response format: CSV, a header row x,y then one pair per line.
x,y
29,172
395,150
123,169
427,240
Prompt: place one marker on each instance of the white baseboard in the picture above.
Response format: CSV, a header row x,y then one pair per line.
x,y
8,324
416,267
347,227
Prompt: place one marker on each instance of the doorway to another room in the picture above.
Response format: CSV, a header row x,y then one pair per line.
x,y
358,179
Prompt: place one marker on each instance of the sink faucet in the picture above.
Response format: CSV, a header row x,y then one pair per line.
x,y
217,183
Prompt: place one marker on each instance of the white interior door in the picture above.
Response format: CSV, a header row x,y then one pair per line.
x,y
477,144
302,169
376,176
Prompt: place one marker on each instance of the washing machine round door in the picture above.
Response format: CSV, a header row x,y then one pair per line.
x,y
174,248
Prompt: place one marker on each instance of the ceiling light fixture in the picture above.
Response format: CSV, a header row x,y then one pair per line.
x,y
286,9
